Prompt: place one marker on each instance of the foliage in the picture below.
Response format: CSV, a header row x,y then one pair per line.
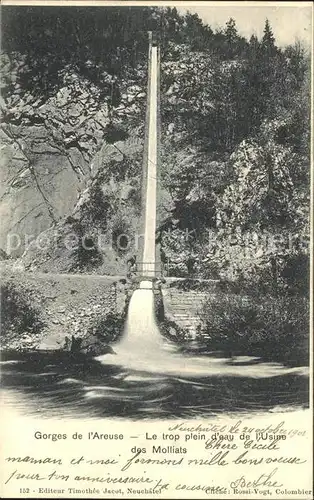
x,y
90,41
274,328
236,149
18,315
107,328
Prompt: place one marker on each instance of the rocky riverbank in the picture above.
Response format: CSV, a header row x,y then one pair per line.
x,y
40,311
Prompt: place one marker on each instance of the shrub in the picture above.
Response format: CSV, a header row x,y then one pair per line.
x,y
274,328
115,133
289,277
295,274
108,328
17,313
99,205
87,256
121,233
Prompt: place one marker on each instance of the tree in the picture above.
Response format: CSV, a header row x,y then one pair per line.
x,y
231,35
253,46
195,31
268,40
296,62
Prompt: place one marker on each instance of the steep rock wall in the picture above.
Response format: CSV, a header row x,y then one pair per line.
x,y
54,145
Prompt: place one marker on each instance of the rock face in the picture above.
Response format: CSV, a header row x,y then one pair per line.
x,y
100,232
33,197
54,146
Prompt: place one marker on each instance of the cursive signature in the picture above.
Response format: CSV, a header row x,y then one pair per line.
x,y
262,480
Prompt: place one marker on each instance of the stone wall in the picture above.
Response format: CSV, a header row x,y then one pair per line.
x,y
184,306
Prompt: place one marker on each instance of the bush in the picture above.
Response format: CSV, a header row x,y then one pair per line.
x,y
87,257
108,328
283,276
273,328
121,231
295,274
17,313
115,133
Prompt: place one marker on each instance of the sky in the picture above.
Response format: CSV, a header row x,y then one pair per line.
x,y
288,22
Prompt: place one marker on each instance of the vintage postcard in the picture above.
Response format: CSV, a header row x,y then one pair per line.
x,y
156,250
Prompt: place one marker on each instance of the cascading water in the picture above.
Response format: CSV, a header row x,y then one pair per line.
x,y
141,332
143,350
142,336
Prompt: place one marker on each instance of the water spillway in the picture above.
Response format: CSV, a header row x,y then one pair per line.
x,y
151,169
141,331
142,348
142,339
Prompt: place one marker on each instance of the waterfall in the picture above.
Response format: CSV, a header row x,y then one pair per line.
x,y
141,334
142,339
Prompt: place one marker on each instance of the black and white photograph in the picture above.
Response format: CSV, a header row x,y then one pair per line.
x,y
156,220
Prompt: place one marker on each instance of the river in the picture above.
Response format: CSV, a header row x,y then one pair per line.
x,y
147,378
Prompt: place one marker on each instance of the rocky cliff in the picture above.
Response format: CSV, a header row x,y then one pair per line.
x,y
59,152
71,106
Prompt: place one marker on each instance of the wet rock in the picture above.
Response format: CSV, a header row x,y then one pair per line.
x,y
99,350
67,344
